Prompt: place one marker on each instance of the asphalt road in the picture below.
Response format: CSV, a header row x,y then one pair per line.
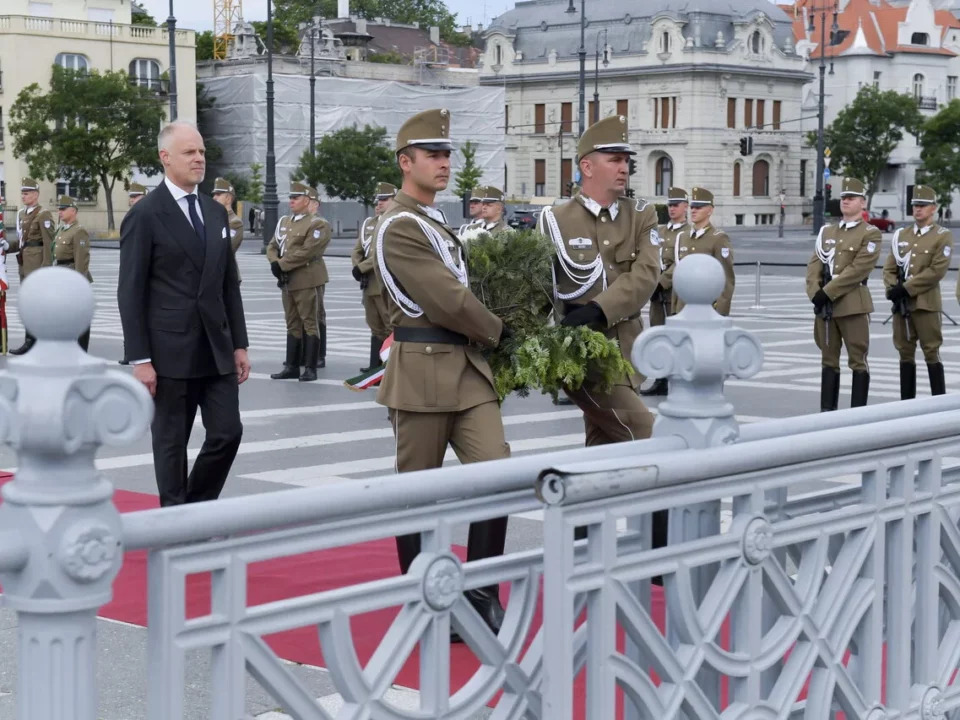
x,y
315,434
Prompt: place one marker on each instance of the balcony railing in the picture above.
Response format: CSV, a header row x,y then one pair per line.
x,y
927,102
160,86
23,24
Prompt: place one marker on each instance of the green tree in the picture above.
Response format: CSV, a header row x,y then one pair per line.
x,y
140,16
867,131
469,175
204,45
350,162
941,151
255,194
286,36
428,13
88,126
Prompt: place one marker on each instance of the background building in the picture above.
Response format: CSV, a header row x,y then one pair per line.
x,y
693,79
78,34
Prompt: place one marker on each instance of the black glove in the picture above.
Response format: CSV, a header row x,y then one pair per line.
x,y
505,334
820,299
275,269
357,275
589,314
897,293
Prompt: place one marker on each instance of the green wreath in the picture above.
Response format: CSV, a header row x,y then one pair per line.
x,y
511,273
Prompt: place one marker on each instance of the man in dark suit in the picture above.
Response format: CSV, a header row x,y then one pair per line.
x,y
184,331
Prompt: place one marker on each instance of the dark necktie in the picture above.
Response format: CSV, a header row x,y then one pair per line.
x,y
195,219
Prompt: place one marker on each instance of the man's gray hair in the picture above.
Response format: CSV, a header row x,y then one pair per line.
x,y
167,131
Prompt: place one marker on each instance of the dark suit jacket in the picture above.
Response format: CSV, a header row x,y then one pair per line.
x,y
179,306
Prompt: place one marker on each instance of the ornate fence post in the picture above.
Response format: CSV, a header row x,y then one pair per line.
x,y
697,350
58,405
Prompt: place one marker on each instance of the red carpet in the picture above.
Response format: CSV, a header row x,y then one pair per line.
x,y
310,573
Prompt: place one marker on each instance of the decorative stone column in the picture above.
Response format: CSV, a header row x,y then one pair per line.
x,y
58,405
697,350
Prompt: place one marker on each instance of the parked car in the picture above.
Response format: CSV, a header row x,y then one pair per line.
x,y
882,223
524,219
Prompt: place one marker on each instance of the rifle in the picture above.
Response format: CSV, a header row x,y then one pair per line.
x,y
902,306
826,311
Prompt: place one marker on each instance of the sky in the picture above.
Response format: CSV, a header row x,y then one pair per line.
x,y
198,14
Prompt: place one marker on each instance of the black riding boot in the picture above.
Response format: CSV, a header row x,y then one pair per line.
x,y
28,342
829,389
84,340
311,352
375,344
659,387
938,383
322,356
908,381
408,547
291,366
861,388
486,540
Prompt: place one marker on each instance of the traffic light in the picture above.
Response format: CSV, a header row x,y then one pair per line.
x,y
828,192
746,146
633,166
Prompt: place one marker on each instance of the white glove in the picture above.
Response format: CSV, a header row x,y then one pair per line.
x,y
4,244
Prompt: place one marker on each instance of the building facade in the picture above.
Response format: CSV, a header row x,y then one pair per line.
x,y
79,34
693,80
911,47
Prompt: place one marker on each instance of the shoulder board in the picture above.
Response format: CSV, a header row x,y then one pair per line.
x,y
942,230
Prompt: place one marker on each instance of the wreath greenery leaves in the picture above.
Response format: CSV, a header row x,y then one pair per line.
x,y
511,273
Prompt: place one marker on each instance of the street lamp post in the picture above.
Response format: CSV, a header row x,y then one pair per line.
x,y
596,74
270,201
582,53
312,27
172,41
818,200
783,211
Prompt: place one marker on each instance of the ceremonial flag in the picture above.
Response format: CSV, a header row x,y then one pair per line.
x,y
372,377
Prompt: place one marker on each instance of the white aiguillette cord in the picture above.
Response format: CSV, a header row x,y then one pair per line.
x,y
409,307
591,271
902,260
825,257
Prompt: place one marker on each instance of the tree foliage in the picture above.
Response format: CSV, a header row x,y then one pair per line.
x,y
468,177
350,162
255,194
204,45
89,126
867,131
941,151
140,16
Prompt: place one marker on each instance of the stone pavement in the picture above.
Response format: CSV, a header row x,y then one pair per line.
x,y
313,434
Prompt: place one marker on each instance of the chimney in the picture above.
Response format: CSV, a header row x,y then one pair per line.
x,y
361,25
435,35
343,8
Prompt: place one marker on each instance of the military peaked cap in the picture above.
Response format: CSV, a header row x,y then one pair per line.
x,y
222,185
609,136
385,191
299,188
853,188
491,194
136,189
676,195
66,201
924,195
700,196
28,183
429,130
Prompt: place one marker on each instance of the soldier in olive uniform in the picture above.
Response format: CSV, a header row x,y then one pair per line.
x,y
374,307
314,208
607,269
661,303
134,193
476,207
35,230
224,194
71,248
437,384
919,259
837,275
492,209
295,254
705,239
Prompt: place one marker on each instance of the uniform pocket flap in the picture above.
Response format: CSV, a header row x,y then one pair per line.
x,y
425,348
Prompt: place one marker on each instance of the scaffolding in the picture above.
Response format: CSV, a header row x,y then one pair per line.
x,y
226,15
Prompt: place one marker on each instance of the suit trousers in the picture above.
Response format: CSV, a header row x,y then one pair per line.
x,y
303,310
925,328
853,331
375,313
218,397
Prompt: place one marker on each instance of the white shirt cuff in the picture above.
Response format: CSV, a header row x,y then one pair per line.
x,y
139,362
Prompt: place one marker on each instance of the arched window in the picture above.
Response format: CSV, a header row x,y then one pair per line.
x,y
145,73
498,53
756,43
737,171
919,38
663,176
665,42
761,179
71,61
918,86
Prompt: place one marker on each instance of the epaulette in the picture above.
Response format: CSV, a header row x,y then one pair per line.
x,y
941,230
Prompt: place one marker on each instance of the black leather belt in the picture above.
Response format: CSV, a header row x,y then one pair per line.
x,y
33,244
570,307
438,335
67,263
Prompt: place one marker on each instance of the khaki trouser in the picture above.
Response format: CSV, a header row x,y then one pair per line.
x,y
852,331
375,312
303,310
926,327
618,416
475,434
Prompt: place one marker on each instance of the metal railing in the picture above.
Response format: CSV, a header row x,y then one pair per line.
x,y
799,580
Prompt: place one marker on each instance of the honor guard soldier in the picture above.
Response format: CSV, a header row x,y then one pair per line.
x,y
919,259
295,254
35,231
705,239
374,307
837,276
135,192
476,207
314,208
224,194
491,214
71,248
437,384
661,303
607,268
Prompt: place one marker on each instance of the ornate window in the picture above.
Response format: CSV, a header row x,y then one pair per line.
x,y
145,73
663,176
70,61
761,179
918,86
756,43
